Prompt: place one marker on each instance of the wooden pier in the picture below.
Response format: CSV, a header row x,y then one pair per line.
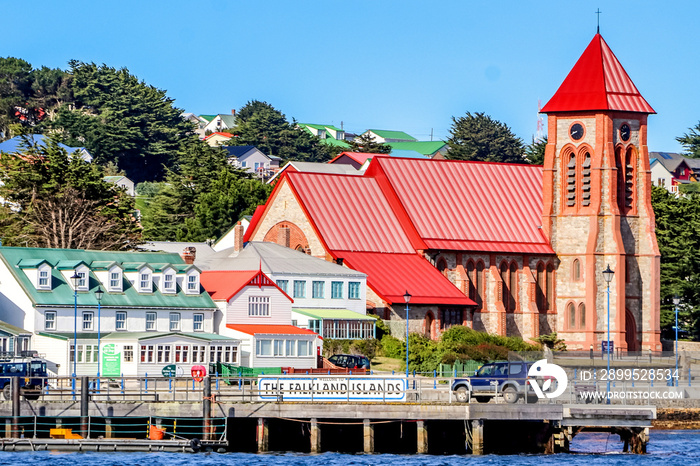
x,y
218,422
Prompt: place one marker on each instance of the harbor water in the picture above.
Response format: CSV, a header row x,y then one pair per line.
x,y
667,447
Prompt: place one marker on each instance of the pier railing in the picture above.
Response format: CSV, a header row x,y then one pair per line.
x,y
424,388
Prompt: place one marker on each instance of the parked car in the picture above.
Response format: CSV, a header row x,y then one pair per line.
x,y
31,374
493,379
350,361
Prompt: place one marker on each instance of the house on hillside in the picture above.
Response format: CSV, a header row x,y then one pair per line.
x,y
17,145
258,313
253,160
328,134
329,299
123,182
387,136
217,139
661,176
219,123
683,170
134,312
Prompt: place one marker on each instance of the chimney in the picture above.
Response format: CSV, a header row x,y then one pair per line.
x,y
189,254
284,236
233,111
238,237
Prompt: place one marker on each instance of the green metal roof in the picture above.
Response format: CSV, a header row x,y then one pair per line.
x,y
102,265
386,134
423,147
332,314
208,117
336,142
12,330
62,294
30,263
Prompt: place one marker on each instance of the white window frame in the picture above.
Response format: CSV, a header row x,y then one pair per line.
x,y
163,354
291,348
88,321
263,347
115,282
306,345
192,283
128,353
151,321
174,321
43,273
117,321
258,306
198,322
199,354
52,320
181,354
145,281
169,281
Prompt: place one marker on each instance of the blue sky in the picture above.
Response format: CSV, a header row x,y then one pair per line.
x,y
383,64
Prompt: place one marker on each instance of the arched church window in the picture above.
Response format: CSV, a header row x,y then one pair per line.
x,y
571,180
504,285
629,178
620,179
576,270
550,287
582,315
541,286
513,287
479,297
571,315
471,276
586,180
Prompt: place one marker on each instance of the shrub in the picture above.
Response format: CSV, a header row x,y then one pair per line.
x,y
366,348
392,347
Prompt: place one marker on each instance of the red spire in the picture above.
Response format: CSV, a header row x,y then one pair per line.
x,y
597,82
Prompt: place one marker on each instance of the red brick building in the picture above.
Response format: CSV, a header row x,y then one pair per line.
x,y
505,248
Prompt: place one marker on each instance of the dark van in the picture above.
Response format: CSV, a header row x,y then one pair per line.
x,y
32,377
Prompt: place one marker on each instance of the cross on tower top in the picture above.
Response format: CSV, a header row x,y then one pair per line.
x,y
597,12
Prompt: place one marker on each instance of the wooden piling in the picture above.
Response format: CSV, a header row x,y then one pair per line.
x,y
368,434
422,438
477,437
315,432
262,435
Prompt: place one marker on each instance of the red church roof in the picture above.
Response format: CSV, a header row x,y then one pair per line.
x,y
498,209
351,213
597,82
391,275
225,284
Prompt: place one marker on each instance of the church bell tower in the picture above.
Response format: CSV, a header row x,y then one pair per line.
x,y
597,206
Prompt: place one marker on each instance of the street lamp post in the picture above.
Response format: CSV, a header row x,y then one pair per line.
x,y
676,302
98,294
75,279
608,276
407,299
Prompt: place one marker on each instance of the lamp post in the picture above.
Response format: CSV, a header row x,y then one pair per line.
x,y
676,302
75,279
407,299
98,294
608,276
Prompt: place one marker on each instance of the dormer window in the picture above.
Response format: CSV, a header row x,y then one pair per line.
x,y
169,282
192,283
145,282
44,277
80,279
115,279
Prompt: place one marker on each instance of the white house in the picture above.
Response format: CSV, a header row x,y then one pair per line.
x,y
220,122
111,312
661,176
253,160
328,298
258,313
122,182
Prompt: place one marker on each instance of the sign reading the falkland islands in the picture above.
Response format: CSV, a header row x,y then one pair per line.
x,y
330,388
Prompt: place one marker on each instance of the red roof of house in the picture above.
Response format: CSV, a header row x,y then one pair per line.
x,y
391,275
597,82
262,329
351,213
225,284
226,135
359,157
498,209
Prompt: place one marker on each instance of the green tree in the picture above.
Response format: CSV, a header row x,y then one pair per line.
x,y
366,143
202,197
15,89
261,125
479,137
677,224
57,200
123,120
534,153
691,142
